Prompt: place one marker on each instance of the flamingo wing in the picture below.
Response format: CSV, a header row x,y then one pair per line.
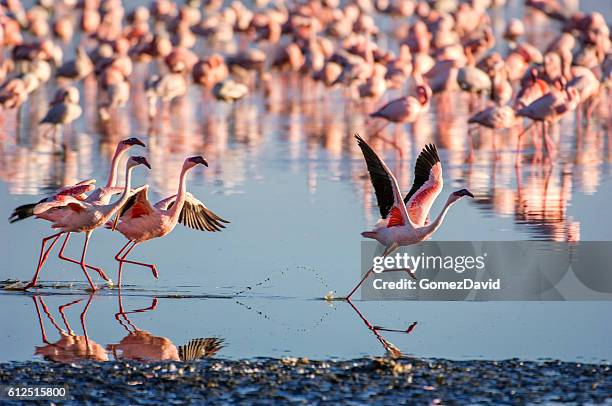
x,y
199,348
196,215
68,202
137,205
426,186
392,111
56,114
385,186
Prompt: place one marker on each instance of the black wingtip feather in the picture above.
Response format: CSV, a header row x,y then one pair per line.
x,y
378,176
425,161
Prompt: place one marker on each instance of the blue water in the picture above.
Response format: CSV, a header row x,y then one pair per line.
x,y
288,175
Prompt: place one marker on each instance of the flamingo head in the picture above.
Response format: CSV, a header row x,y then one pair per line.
x,y
195,160
138,160
130,142
460,193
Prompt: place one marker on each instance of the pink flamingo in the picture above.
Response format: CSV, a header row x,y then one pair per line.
x,y
549,109
73,215
405,221
495,118
101,195
140,221
405,109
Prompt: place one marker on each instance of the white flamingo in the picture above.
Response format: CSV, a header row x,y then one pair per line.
x,y
79,191
139,221
405,221
82,216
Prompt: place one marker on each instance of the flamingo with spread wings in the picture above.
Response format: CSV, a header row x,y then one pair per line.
x,y
72,215
405,221
140,221
101,195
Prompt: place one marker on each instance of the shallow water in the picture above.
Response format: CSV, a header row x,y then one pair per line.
x,y
287,174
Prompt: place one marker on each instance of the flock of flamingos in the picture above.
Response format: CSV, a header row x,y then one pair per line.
x,y
158,53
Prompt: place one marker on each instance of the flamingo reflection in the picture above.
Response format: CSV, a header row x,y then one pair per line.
x,y
70,347
392,350
141,345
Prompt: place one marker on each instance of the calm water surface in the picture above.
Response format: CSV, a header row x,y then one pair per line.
x,y
285,170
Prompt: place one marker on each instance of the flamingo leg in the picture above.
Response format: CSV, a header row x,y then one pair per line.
x,y
151,266
388,251
50,317
83,314
43,333
519,138
82,263
470,157
118,258
550,145
74,261
61,312
594,103
43,257
537,157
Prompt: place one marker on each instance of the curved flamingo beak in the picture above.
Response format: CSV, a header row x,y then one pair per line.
x,y
133,141
198,160
142,161
463,192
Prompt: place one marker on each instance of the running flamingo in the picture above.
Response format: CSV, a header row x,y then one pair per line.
x,y
405,222
74,215
139,221
100,196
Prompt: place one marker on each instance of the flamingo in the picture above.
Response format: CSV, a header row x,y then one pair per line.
x,y
405,109
229,91
167,87
73,215
549,109
139,221
63,109
101,196
405,221
495,118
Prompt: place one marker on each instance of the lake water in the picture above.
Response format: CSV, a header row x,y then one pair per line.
x,y
285,170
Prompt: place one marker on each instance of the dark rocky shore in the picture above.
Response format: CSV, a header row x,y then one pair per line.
x,y
274,381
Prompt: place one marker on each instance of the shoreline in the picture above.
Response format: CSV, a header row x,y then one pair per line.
x,y
361,380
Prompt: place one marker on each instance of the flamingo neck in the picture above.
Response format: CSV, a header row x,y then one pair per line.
x,y
433,226
112,208
112,175
181,194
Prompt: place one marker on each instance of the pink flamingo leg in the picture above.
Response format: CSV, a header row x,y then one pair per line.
x,y
123,319
151,266
61,312
51,319
388,251
118,258
74,261
40,322
82,263
83,314
43,257
348,297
